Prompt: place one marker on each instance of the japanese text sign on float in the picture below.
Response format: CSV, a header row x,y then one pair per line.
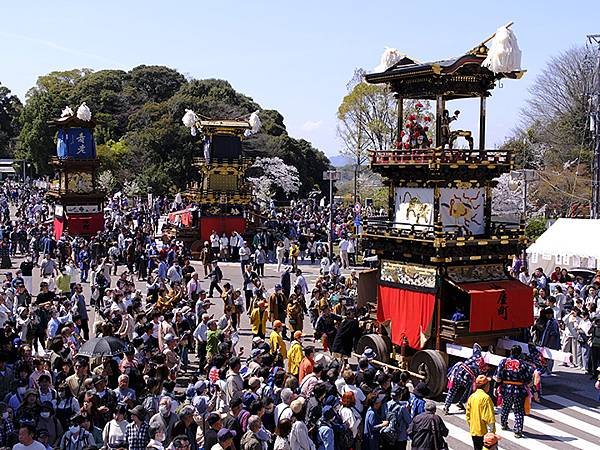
x,y
75,143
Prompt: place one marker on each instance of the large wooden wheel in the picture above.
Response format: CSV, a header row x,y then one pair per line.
x,y
381,345
433,367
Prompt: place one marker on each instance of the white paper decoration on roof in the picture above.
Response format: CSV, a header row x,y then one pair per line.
x,y
255,122
84,113
504,54
191,120
389,57
67,112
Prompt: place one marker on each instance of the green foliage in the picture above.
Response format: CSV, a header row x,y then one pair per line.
x,y
10,108
535,227
139,132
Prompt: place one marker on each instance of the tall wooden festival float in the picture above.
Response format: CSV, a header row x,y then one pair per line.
x,y
75,190
221,194
440,250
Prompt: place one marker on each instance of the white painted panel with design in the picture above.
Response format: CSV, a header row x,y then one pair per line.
x,y
414,206
462,210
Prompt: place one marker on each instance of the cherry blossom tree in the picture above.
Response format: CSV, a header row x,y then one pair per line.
x,y
271,175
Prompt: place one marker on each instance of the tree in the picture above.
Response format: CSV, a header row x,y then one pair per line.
x,y
554,137
272,174
107,181
10,108
368,120
131,188
507,196
139,133
536,226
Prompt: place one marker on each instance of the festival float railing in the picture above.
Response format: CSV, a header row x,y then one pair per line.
x,y
432,156
390,228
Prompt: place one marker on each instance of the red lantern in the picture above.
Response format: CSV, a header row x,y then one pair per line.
x,y
402,133
419,105
406,145
425,128
416,134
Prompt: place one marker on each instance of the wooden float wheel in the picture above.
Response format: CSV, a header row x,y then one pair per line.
x,y
432,366
381,345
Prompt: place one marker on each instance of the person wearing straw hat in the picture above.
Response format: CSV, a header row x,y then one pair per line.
x,y
480,412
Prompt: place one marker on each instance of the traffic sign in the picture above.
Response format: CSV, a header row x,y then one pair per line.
x,y
357,208
332,175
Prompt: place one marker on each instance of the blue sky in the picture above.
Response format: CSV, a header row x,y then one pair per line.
x,y
295,57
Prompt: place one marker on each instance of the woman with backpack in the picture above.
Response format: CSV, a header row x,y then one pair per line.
x,y
351,418
395,435
374,422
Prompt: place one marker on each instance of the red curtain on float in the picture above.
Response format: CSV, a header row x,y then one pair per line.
x,y
85,224
499,305
58,226
221,225
410,313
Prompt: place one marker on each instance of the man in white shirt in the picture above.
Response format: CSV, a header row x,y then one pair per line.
x,y
215,243
301,282
194,287
174,273
244,253
334,269
224,246
359,396
26,441
235,241
344,253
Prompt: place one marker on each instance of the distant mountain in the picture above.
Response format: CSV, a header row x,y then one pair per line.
x,y
340,160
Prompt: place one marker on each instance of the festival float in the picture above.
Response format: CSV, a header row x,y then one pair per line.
x,y
77,195
443,283
221,194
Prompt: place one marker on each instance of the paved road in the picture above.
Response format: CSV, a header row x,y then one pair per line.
x,y
567,418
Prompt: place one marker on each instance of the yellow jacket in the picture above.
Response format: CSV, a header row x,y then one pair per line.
x,y
295,356
258,324
480,413
277,344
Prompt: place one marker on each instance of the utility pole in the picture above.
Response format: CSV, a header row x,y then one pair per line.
x,y
357,167
331,176
594,39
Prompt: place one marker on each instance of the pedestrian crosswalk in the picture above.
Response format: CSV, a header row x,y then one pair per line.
x,y
556,423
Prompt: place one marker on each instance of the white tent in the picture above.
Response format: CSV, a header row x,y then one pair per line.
x,y
568,243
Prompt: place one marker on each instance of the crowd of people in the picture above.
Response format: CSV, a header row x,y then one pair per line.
x,y
567,312
181,380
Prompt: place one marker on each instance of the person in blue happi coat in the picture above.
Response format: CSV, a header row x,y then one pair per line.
x,y
461,377
513,375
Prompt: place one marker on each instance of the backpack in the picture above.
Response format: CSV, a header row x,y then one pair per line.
x,y
342,436
390,433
